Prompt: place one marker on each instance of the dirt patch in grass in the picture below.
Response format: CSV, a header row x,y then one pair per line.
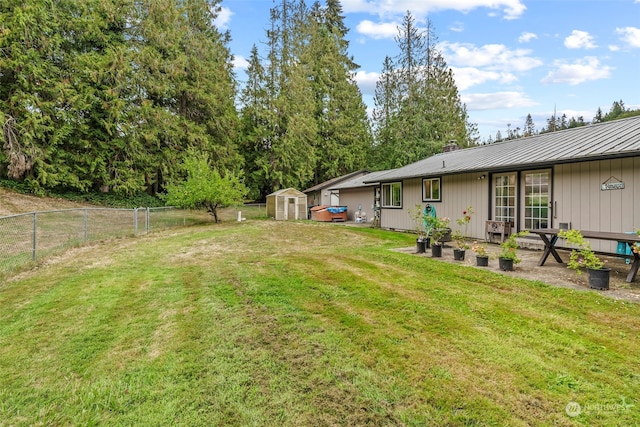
x,y
12,203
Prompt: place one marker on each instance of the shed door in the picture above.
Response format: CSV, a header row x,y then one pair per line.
x,y
536,193
291,211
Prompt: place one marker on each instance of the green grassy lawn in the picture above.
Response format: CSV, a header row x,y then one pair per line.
x,y
300,324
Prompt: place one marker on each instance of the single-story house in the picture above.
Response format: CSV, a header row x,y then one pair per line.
x,y
323,195
361,199
586,178
287,204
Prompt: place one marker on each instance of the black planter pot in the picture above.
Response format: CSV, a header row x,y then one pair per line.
x,y
421,246
599,279
436,251
505,264
482,261
458,254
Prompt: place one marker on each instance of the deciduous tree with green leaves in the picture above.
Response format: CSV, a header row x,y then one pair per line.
x,y
205,187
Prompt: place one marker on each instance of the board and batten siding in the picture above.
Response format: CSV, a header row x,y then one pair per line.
x,y
458,192
354,197
579,200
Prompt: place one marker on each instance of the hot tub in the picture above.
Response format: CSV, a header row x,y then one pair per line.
x,y
329,213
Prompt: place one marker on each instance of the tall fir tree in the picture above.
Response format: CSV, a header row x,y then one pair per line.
x,y
344,137
256,116
185,86
428,112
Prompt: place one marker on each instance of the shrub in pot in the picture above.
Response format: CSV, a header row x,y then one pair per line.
x,y
482,255
582,256
508,255
439,229
417,216
459,236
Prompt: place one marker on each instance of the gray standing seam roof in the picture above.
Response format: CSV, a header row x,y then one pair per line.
x,y
370,178
615,139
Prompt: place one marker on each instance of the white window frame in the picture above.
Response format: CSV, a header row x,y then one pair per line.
x,y
505,197
430,197
389,193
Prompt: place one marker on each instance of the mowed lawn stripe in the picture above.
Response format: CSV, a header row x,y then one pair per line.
x,y
270,323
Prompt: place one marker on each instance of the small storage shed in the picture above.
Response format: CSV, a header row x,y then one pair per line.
x,y
288,203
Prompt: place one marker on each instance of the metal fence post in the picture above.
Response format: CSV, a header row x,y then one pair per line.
x,y
135,221
35,228
86,225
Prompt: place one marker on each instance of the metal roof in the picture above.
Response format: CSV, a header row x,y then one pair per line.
x,y
359,181
334,181
618,138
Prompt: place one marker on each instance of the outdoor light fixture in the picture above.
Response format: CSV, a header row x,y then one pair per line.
x,y
481,177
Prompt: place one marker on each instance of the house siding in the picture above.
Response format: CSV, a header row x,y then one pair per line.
x,y
458,193
354,197
580,201
576,197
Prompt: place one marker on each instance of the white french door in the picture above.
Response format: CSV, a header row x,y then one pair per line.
x,y
504,198
536,196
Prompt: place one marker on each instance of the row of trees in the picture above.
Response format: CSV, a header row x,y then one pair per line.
x,y
117,95
417,104
556,123
110,93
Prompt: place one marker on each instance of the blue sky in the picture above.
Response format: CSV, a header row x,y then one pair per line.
x,y
510,57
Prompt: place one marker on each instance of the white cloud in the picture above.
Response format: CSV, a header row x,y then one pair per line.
x,y
367,81
613,47
512,9
240,63
491,56
583,70
527,37
222,20
496,100
377,31
630,35
467,77
457,27
579,40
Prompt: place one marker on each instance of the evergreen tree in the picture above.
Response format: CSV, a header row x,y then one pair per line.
x,y
289,158
529,126
344,138
108,93
185,87
598,117
387,100
256,117
428,112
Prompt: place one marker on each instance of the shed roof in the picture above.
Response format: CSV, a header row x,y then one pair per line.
x,y
288,191
615,139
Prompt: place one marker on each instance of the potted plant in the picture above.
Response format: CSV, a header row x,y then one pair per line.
x,y
508,255
459,236
417,216
582,256
635,248
482,254
439,229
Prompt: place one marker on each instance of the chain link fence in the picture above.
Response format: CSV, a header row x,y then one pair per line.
x,y
28,237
